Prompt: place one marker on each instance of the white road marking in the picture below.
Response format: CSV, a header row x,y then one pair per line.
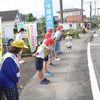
x,y
94,44
95,35
94,84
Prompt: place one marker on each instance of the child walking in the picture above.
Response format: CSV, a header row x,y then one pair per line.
x,y
69,42
42,53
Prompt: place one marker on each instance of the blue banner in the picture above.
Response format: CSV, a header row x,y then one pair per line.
x,y
49,14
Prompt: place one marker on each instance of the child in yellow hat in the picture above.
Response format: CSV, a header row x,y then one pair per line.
x,y
69,42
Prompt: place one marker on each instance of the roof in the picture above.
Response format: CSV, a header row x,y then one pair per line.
x,y
38,21
8,15
71,10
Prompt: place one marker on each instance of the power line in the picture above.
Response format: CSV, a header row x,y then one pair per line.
x,y
77,2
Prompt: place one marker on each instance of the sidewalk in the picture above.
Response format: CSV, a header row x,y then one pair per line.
x,y
70,79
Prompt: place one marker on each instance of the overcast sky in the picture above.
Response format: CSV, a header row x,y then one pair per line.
x,y
37,6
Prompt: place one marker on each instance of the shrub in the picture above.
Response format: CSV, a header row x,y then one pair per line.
x,y
15,30
74,33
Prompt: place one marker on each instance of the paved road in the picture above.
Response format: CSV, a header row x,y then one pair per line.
x,y
95,53
70,79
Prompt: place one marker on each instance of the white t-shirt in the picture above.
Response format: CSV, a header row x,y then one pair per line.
x,y
57,34
41,52
69,41
19,36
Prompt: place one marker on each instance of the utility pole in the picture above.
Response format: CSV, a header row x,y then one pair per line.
x,y
95,9
90,15
82,12
61,11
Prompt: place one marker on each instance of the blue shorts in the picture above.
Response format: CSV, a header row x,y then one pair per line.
x,y
38,63
69,47
50,50
56,45
46,59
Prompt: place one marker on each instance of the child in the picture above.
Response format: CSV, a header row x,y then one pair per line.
x,y
42,53
51,50
69,42
47,35
56,40
20,36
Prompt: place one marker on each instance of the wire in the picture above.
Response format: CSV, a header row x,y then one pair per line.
x,y
77,2
86,3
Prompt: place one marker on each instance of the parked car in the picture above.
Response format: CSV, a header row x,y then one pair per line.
x,y
7,41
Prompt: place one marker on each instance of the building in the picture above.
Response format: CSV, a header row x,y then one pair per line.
x,y
10,17
71,18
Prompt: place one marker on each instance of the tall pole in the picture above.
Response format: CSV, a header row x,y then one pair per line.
x,y
61,11
82,12
98,16
90,15
95,9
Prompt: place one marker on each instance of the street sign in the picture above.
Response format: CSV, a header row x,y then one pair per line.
x,y
49,14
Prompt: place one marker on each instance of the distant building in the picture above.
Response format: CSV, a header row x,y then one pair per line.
x,y
10,17
71,15
71,18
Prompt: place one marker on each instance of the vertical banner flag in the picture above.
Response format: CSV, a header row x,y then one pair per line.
x,y
32,36
49,14
0,44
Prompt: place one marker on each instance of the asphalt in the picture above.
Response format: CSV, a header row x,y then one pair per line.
x,y
70,79
95,54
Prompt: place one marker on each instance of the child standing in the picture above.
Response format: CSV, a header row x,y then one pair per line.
x,y
51,50
47,35
56,40
69,42
42,53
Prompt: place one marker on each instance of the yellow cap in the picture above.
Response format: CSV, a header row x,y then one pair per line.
x,y
19,44
68,33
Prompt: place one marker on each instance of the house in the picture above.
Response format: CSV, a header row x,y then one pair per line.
x,y
10,18
71,18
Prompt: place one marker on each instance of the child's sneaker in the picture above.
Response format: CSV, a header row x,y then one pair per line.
x,y
48,73
57,59
47,80
44,81
51,64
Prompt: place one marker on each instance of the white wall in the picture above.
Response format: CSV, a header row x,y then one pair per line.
x,y
65,14
17,19
5,23
67,27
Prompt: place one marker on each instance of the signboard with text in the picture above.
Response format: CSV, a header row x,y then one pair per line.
x,y
32,36
49,14
31,33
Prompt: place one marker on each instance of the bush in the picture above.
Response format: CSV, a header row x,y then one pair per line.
x,y
15,30
95,23
74,33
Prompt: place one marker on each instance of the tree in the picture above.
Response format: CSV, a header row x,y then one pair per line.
x,y
22,17
30,18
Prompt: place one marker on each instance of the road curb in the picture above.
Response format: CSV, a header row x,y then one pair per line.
x,y
89,39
